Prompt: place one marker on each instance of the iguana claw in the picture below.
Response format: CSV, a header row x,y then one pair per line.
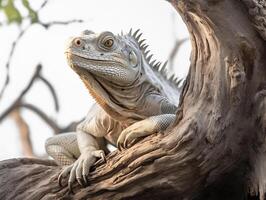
x,y
70,189
103,157
63,173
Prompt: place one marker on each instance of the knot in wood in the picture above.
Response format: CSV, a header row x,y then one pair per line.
x,y
237,76
236,72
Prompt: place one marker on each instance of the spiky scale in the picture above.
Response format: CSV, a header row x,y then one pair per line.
x,y
152,63
171,77
157,66
138,37
149,58
141,42
130,32
135,33
144,47
165,64
178,82
146,53
163,68
156,62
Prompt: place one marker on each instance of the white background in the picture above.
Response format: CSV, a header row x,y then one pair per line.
x,y
156,18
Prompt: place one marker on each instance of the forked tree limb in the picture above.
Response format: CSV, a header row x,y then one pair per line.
x,y
213,150
20,103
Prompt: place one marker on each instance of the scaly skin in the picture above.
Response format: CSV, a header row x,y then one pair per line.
x,y
133,99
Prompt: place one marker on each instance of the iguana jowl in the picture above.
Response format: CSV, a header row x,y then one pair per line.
x,y
134,98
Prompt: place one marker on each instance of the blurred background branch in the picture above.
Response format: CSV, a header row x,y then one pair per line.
x,y
14,16
24,132
14,111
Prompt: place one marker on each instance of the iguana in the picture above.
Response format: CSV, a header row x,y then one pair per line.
x,y
134,98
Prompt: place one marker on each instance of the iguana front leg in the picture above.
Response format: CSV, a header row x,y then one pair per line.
x,y
143,128
78,151
89,152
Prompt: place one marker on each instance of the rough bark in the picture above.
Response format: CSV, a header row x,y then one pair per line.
x,y
214,149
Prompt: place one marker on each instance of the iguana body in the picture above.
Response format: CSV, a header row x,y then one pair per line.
x,y
133,99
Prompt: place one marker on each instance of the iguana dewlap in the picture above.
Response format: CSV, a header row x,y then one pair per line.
x,y
134,98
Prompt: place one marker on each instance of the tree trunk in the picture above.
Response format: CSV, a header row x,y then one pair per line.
x,y
213,151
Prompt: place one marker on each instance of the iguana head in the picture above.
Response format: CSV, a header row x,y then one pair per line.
x,y
113,58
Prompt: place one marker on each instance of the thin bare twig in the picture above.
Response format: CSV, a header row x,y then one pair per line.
x,y
11,53
42,6
24,132
24,91
47,25
52,90
50,122
42,115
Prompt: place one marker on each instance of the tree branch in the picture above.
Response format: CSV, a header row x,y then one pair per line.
x,y
50,122
19,103
21,34
24,133
52,90
47,25
11,53
21,95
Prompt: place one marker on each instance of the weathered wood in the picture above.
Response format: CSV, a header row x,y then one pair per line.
x,y
214,149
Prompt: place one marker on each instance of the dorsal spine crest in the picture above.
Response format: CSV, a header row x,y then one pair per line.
x,y
154,64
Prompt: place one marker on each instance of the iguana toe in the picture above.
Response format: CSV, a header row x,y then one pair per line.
x,y
63,174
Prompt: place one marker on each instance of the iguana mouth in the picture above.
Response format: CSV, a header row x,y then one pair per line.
x,y
92,81
71,56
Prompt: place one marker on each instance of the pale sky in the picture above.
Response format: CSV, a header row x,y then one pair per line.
x,y
156,18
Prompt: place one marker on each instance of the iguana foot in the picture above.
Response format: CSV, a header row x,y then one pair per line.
x,y
143,128
131,133
79,170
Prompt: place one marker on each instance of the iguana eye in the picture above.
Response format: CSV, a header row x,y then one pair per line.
x,y
77,42
108,43
133,59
